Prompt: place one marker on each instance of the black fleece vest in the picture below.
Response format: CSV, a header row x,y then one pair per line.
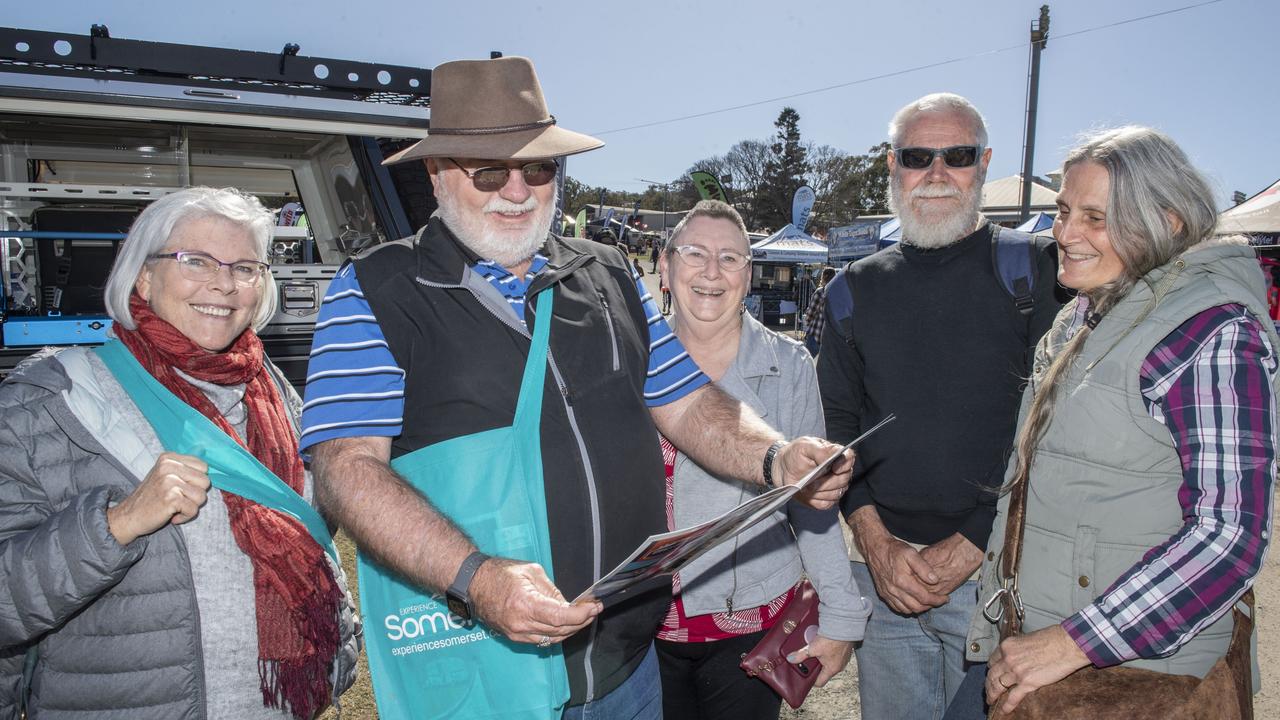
x,y
602,467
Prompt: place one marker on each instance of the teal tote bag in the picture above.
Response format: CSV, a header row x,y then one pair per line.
x,y
427,663
182,429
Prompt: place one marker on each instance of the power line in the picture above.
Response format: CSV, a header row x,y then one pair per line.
x,y
897,73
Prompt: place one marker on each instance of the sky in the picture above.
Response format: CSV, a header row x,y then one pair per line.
x,y
1200,70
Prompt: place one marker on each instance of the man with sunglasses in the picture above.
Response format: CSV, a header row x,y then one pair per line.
x,y
422,344
936,339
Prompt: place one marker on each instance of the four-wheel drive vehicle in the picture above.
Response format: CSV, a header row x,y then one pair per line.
x,y
92,128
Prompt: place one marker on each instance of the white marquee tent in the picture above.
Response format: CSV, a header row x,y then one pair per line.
x,y
789,245
1259,215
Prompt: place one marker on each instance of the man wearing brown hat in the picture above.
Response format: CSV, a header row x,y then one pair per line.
x,y
420,364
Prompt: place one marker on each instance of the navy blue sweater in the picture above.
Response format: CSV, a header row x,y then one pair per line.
x,y
936,340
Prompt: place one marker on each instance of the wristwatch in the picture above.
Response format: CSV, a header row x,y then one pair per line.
x,y
769,455
458,597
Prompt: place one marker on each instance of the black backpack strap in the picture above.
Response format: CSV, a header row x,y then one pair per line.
x,y
1013,255
840,305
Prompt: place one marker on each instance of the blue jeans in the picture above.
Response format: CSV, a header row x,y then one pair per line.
x,y
910,666
639,697
970,703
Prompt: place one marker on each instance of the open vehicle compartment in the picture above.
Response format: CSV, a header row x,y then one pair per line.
x,y
92,128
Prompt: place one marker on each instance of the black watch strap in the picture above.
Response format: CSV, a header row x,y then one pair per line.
x,y
461,586
769,455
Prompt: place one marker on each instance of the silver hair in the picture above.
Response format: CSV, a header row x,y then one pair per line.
x,y
712,209
1152,183
937,103
150,234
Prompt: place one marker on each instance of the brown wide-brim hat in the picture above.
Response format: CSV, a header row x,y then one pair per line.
x,y
492,110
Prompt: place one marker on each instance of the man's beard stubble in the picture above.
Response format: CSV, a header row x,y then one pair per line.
x,y
928,233
502,248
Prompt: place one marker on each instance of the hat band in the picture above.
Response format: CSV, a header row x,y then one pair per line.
x,y
551,120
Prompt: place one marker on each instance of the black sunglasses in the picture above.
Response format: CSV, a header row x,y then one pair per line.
x,y
491,179
956,156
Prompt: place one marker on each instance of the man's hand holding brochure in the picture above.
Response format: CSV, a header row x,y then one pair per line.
x,y
668,552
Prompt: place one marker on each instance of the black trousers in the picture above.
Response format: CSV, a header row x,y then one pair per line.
x,y
702,681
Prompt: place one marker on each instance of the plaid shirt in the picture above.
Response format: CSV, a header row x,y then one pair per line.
x,y
815,317
1209,382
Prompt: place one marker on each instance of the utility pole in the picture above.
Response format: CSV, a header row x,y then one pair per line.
x,y
1039,39
666,186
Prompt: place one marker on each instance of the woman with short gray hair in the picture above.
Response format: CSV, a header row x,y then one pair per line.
x,y
130,586
1147,452
726,600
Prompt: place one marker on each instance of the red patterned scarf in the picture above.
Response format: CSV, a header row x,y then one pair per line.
x,y
296,596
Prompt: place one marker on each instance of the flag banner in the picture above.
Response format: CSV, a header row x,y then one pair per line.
x,y
708,186
801,206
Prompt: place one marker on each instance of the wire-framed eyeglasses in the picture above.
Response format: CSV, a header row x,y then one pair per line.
x,y
698,256
202,267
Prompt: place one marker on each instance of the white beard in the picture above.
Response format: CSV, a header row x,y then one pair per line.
x,y
507,248
931,231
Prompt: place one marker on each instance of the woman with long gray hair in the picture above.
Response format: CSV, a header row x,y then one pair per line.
x,y
131,584
1147,445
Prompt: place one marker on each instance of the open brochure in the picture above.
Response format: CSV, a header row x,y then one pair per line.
x,y
668,552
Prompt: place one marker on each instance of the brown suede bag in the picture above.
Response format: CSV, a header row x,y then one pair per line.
x,y
1123,693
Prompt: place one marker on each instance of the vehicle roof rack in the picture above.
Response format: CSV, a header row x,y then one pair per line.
x,y
98,55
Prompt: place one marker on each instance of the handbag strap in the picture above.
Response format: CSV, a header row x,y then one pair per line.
x,y
1011,559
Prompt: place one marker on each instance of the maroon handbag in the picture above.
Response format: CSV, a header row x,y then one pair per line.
x,y
768,659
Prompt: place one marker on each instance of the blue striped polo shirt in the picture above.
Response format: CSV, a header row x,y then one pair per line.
x,y
356,389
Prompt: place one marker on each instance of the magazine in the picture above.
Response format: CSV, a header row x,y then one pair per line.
x,y
668,552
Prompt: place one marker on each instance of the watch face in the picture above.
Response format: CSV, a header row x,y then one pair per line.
x,y
458,606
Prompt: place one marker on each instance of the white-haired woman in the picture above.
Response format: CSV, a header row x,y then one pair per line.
x,y
1148,438
729,598
129,586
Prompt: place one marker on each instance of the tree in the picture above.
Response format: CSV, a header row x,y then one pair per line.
x,y
829,168
577,194
865,191
784,171
745,163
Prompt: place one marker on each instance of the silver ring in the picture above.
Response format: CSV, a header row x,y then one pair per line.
x,y
544,642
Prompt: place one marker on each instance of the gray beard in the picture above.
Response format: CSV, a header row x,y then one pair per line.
x,y
936,233
505,250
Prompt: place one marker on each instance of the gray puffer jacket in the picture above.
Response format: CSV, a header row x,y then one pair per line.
x,y
89,628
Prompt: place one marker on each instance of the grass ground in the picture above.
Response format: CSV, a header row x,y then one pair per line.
x,y
357,703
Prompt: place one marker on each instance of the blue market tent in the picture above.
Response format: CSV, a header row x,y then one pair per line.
x,y
1037,224
890,232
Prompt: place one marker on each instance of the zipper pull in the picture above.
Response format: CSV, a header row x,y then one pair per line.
x,y
728,605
